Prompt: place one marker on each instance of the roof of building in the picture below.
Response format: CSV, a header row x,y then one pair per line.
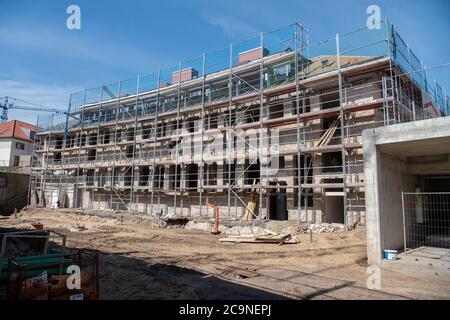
x,y
17,129
326,63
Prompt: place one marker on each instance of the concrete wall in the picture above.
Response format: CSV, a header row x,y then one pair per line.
x,y
395,179
14,194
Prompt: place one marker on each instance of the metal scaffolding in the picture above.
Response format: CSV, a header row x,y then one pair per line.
x,y
200,132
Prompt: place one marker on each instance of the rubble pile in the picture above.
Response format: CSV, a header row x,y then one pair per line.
x,y
327,227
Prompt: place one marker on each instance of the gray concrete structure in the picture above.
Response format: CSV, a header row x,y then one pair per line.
x,y
396,159
14,183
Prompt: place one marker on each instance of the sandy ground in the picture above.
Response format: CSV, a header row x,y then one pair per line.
x,y
141,261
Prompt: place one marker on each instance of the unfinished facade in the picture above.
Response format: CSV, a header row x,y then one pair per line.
x,y
270,128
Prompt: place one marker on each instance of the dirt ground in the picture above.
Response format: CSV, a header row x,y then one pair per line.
x,y
138,260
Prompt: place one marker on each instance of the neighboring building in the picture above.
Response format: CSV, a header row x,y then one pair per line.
x,y
16,143
123,146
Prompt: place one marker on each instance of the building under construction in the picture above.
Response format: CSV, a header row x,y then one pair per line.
x,y
270,128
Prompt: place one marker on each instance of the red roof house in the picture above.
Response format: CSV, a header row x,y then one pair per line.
x,y
18,130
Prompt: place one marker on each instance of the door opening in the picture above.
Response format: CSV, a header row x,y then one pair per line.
x,y
334,208
277,201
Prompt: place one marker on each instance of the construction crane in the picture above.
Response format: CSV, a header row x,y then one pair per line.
x,y
6,105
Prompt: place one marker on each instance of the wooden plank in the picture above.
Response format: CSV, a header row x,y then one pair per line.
x,y
270,232
274,241
251,206
261,239
271,237
237,239
328,135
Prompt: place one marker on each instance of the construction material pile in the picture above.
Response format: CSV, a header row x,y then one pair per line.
x,y
326,227
267,237
53,277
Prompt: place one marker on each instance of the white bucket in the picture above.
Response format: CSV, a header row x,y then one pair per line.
x,y
390,254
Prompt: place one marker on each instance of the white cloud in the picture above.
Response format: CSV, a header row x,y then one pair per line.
x,y
234,28
52,96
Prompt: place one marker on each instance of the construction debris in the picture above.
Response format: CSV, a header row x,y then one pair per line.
x,y
267,238
171,222
327,227
77,228
131,265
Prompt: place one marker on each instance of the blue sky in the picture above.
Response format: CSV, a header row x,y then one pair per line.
x,y
43,62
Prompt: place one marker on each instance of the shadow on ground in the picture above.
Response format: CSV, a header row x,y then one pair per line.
x,y
124,277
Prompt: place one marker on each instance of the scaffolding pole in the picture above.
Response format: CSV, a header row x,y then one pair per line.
x,y
76,195
202,132
134,148
154,142
342,123
98,137
261,115
297,108
176,141
229,134
261,84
